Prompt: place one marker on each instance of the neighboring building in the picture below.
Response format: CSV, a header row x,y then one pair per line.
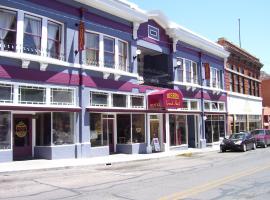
x,y
244,89
266,100
88,78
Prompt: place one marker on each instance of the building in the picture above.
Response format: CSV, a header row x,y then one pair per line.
x,y
266,101
85,78
243,87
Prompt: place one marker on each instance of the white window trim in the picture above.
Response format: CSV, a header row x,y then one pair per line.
x,y
218,107
157,30
189,105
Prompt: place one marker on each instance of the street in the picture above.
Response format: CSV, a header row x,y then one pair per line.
x,y
211,175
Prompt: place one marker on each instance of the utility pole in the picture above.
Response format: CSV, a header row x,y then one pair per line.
x,y
239,27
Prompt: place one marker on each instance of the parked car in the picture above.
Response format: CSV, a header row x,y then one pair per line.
x,y
262,137
239,142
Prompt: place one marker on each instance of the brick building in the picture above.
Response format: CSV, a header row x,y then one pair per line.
x,y
242,72
266,101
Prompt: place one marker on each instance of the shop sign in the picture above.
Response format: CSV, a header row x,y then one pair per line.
x,y
21,129
165,99
156,145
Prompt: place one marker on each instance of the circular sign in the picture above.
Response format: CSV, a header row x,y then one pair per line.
x,y
21,129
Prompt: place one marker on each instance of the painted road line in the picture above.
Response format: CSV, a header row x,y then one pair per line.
x,y
213,184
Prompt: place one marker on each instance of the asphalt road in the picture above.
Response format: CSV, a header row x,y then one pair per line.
x,y
231,175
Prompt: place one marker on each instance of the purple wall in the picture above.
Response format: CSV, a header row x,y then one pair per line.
x,y
165,40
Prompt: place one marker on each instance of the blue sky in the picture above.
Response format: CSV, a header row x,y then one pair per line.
x,y
219,18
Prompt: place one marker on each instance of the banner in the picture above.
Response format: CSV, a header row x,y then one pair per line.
x,y
81,36
207,71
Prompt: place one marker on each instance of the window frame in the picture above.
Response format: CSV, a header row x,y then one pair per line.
x,y
62,89
31,102
11,94
92,49
155,29
111,53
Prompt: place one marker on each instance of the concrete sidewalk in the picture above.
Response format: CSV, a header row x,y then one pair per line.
x,y
117,158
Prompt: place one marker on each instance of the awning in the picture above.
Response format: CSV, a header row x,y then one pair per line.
x,y
165,99
40,108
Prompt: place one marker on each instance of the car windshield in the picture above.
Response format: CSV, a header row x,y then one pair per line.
x,y
258,132
238,136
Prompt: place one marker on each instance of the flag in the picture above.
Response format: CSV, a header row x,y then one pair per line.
x,y
81,36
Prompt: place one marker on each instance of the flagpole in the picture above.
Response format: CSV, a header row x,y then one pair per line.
x,y
239,33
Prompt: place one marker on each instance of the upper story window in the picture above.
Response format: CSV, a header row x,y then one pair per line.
x,y
122,55
137,101
99,99
119,100
216,80
231,82
109,57
189,104
214,106
92,49
187,71
54,40
6,91
32,95
8,25
32,35
214,77
153,32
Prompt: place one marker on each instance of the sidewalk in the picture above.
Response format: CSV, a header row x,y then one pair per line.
x,y
117,158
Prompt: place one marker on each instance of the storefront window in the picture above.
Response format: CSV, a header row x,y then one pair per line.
x,y
119,100
137,101
6,92
32,95
138,129
214,128
62,96
99,99
63,128
254,122
43,129
5,130
178,130
97,138
123,129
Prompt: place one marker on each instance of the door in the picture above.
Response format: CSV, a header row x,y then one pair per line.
x,y
22,137
108,130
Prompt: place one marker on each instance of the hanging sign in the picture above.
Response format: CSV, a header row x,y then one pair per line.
x,y
21,129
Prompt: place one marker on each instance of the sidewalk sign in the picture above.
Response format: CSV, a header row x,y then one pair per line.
x,y
155,144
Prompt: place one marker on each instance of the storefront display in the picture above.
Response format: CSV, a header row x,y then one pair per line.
x,y
5,130
178,130
214,128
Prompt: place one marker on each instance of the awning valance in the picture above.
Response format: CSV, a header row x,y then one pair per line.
x,y
165,99
40,108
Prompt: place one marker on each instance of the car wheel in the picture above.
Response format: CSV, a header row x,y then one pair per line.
x,y
222,150
254,146
244,148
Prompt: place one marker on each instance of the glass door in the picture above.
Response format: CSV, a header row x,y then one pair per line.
x,y
108,131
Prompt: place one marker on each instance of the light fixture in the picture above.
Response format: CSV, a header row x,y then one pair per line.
x,y
204,118
138,52
178,64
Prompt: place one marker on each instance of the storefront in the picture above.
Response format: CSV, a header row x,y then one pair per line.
x,y
214,128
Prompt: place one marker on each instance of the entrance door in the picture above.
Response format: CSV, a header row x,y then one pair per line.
x,y
22,137
108,130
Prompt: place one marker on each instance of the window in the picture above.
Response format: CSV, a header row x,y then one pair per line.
x,y
119,100
5,130
221,106
214,106
32,35
122,55
257,89
43,129
153,32
214,77
138,128
194,105
219,79
254,88
61,96
214,128
97,138
237,86
249,87
137,101
63,128
207,106
178,129
109,60
8,26
32,95
241,84
231,82
99,99
180,71
195,73
54,40
6,92
185,105
92,49
188,70
123,129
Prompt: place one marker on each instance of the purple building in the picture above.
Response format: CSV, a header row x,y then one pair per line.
x,y
76,76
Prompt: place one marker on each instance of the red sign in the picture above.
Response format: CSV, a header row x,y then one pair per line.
x,y
81,36
165,99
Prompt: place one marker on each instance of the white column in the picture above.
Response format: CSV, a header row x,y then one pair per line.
x,y
167,126
116,54
48,95
184,71
44,36
16,94
135,30
148,147
20,31
101,50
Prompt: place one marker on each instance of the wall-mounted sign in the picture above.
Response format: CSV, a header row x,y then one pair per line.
x,y
21,129
165,99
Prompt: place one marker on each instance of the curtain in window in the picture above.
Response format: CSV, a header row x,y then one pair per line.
x,y
53,30
33,26
6,20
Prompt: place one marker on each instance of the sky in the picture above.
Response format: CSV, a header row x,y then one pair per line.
x,y
219,18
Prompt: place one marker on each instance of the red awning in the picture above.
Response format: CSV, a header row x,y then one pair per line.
x,y
165,99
